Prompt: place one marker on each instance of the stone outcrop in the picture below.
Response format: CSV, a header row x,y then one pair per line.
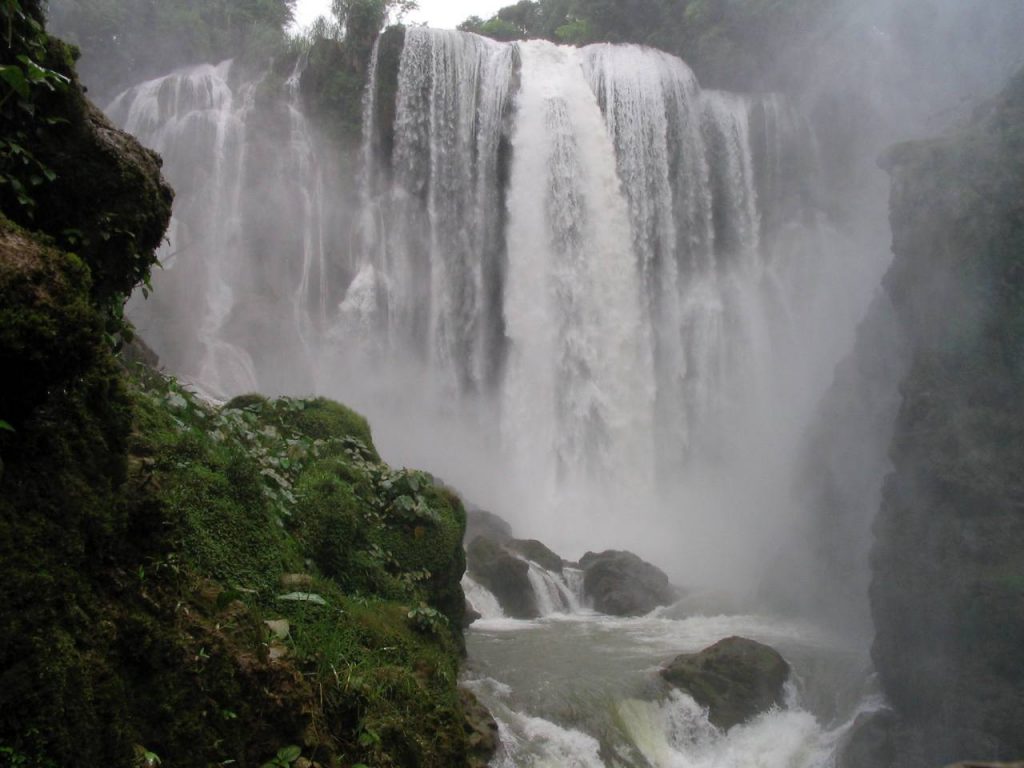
x,y
621,584
480,522
534,550
505,575
736,679
947,592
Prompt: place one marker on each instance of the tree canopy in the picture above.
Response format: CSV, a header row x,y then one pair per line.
x,y
125,41
731,43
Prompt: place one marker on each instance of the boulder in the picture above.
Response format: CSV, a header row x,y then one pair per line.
x,y
470,615
621,584
735,679
533,550
480,522
505,575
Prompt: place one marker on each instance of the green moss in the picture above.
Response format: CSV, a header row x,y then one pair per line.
x,y
246,401
322,419
395,690
433,550
265,488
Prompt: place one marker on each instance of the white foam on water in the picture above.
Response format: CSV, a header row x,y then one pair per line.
x,y
482,599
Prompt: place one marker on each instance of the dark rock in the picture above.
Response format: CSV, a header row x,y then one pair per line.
x,y
138,352
735,679
533,550
479,522
621,584
870,742
947,591
470,616
481,730
505,575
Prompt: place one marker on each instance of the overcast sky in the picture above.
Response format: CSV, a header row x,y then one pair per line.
x,y
443,14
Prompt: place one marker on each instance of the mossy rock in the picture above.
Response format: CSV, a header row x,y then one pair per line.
x,y
49,329
330,522
433,547
107,200
736,679
314,419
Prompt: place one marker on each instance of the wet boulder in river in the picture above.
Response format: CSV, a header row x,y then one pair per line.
x,y
736,679
621,584
505,575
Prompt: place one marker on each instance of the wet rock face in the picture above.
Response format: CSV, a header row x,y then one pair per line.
x,y
621,584
480,522
947,592
534,550
505,575
736,679
871,740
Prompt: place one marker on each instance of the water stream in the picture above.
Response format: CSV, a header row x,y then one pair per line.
x,y
583,689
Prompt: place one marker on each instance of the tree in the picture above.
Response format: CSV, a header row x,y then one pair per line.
x,y
380,12
124,41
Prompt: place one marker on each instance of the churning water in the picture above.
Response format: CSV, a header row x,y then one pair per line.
x,y
582,690
577,689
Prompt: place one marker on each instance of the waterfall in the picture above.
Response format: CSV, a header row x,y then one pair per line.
x,y
554,592
440,200
593,247
578,390
573,282
243,294
481,599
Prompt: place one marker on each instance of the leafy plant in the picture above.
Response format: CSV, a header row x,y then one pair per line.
x,y
284,757
426,619
23,82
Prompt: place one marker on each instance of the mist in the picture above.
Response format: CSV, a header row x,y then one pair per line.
x,y
272,288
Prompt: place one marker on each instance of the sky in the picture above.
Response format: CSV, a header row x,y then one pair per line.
x,y
443,14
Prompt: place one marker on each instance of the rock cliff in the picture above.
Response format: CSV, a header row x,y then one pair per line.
x,y
947,591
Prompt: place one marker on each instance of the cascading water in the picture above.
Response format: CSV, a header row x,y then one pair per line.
x,y
481,599
582,279
587,292
609,274
242,296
